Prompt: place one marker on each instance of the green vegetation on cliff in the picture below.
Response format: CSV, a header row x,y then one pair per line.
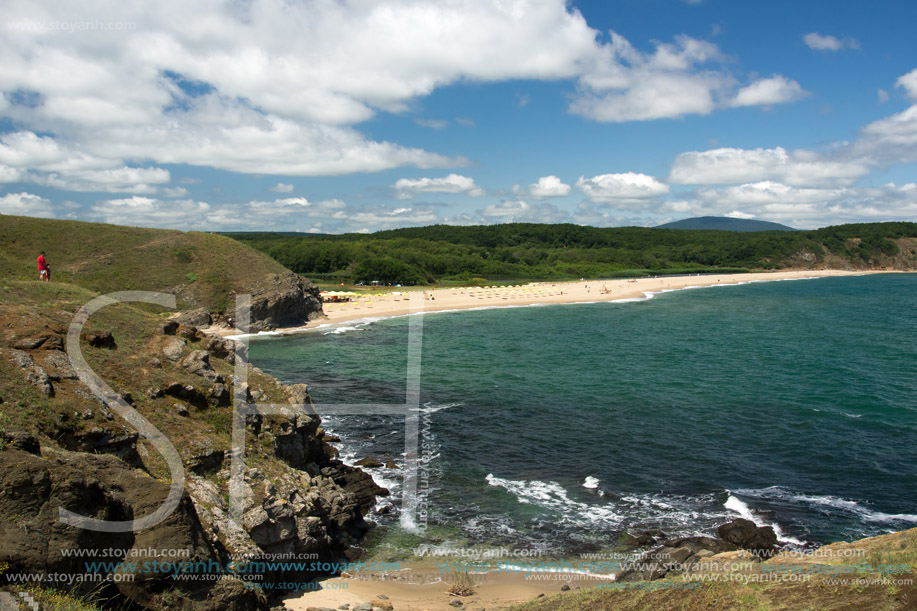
x,y
202,269
542,251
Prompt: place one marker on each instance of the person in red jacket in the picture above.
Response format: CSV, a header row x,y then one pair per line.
x,y
44,272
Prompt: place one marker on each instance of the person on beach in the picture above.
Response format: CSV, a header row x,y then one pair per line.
x,y
44,272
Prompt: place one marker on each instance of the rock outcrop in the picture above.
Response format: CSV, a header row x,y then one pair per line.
x,y
287,300
677,556
32,488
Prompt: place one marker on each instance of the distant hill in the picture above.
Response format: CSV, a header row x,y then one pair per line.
x,y
725,223
201,269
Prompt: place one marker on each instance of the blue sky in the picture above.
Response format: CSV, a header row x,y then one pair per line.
x,y
358,115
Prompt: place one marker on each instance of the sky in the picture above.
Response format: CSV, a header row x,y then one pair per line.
x,y
333,116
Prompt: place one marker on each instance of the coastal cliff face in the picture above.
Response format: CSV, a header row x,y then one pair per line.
x,y
286,300
60,446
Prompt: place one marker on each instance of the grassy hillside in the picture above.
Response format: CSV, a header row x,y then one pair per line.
x,y
870,574
447,253
202,269
724,223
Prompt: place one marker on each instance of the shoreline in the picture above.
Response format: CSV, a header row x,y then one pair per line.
x,y
419,586
623,290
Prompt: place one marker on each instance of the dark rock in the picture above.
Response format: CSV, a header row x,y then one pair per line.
x,y
391,465
192,334
368,462
187,392
23,441
103,487
103,339
760,540
356,482
181,410
101,440
220,395
296,441
168,327
195,318
224,348
127,398
456,603
155,393
384,510
289,300
29,343
206,462
565,588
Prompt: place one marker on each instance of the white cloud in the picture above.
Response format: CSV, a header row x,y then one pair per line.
x,y
804,208
767,92
673,81
437,124
731,165
142,211
173,192
453,183
518,211
281,187
883,96
548,186
27,157
818,42
909,83
627,188
26,204
890,140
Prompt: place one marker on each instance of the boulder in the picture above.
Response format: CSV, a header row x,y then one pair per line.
x,y
58,366
760,540
199,318
29,343
103,339
168,327
198,363
287,300
172,349
209,461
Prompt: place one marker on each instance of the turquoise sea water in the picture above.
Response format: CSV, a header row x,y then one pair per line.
x,y
793,403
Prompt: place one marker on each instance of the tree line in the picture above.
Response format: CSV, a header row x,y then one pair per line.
x,y
446,253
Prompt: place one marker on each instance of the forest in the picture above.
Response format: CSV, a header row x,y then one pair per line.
x,y
533,251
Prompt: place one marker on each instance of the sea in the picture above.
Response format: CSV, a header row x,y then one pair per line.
x,y
557,428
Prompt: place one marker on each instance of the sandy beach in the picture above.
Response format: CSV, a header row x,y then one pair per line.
x,y
420,588
400,302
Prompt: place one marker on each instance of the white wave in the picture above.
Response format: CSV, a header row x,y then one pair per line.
x,y
430,408
740,507
591,482
552,496
853,507
340,330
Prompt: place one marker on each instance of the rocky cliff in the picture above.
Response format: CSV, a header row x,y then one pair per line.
x,y
60,446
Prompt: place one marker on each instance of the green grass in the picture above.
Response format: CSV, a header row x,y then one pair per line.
x,y
201,268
